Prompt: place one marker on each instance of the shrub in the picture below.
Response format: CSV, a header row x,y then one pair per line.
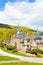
x,y
35,51
11,47
39,55
15,50
41,51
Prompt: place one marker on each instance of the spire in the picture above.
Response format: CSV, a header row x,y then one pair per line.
x,y
37,32
37,35
18,30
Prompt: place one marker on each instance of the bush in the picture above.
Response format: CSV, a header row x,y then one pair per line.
x,y
35,51
15,50
39,55
0,44
10,47
41,51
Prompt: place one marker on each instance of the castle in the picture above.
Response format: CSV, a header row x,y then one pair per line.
x,y
25,42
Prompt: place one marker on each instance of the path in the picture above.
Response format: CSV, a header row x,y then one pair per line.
x,y
8,54
22,59
10,61
30,59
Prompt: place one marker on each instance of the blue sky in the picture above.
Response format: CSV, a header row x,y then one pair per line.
x,y
27,13
3,2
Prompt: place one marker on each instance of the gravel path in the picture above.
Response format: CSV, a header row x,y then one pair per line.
x,y
30,59
22,59
9,61
8,54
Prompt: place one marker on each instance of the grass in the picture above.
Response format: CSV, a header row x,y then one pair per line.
x,y
16,53
2,58
21,63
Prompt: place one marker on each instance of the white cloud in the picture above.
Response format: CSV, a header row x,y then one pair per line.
x,y
24,13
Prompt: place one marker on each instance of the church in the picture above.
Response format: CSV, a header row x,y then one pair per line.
x,y
24,42
21,41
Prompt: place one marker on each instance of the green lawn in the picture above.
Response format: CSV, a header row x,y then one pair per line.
x,y
21,63
16,53
7,58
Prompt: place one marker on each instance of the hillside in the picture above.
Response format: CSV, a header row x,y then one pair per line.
x,y
4,26
6,31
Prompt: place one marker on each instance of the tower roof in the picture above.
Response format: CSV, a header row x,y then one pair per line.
x,y
37,35
19,34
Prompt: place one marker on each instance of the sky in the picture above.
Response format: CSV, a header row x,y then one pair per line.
x,y
27,13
